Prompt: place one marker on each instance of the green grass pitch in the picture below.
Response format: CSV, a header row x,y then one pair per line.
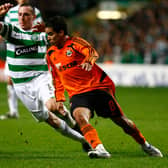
x,y
24,143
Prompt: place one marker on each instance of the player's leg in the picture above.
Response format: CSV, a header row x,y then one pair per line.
x,y
12,98
85,147
30,94
12,101
82,116
46,95
65,115
130,128
59,124
62,127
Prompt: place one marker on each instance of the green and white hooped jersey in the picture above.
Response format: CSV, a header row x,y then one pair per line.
x,y
12,16
25,53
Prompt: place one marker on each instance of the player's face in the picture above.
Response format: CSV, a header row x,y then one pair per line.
x,y
53,37
26,17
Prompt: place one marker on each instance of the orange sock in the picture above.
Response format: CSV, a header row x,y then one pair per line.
x,y
91,135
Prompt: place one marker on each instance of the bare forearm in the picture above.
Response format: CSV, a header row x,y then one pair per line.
x,y
4,8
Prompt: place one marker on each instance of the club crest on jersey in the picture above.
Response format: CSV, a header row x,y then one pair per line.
x,y
35,37
69,53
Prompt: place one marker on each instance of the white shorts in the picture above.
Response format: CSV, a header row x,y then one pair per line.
x,y
6,70
34,95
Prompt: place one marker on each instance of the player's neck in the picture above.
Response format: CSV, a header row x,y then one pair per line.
x,y
62,43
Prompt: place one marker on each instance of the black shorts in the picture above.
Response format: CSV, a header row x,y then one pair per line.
x,y
104,104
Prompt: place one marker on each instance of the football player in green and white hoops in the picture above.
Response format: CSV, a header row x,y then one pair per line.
x,y
29,71
12,17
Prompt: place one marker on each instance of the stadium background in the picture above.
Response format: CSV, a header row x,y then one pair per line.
x,y
140,40
140,37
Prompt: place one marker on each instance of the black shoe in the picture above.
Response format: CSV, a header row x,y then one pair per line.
x,y
86,147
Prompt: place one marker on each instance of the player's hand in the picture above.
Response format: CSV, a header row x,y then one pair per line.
x,y
86,66
4,8
39,27
60,108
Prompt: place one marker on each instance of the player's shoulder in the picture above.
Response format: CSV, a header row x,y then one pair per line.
x,y
37,11
51,48
80,41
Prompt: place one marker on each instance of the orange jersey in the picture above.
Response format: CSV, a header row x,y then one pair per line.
x,y
67,74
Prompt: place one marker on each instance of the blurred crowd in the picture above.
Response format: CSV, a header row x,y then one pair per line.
x,y
141,38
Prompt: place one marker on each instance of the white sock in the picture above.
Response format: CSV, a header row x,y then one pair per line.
x,y
69,132
12,100
146,144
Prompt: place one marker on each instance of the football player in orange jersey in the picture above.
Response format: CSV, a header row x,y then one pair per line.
x,y
73,67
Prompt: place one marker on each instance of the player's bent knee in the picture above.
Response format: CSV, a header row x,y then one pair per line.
x,y
40,115
51,105
81,117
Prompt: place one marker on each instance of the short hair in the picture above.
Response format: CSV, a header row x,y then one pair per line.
x,y
58,23
28,4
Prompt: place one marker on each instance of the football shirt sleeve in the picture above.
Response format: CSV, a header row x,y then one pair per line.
x,y
86,50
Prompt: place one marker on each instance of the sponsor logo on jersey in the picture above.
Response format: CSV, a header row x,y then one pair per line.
x,y
65,67
26,50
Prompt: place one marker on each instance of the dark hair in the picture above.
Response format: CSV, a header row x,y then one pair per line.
x,y
58,23
27,4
